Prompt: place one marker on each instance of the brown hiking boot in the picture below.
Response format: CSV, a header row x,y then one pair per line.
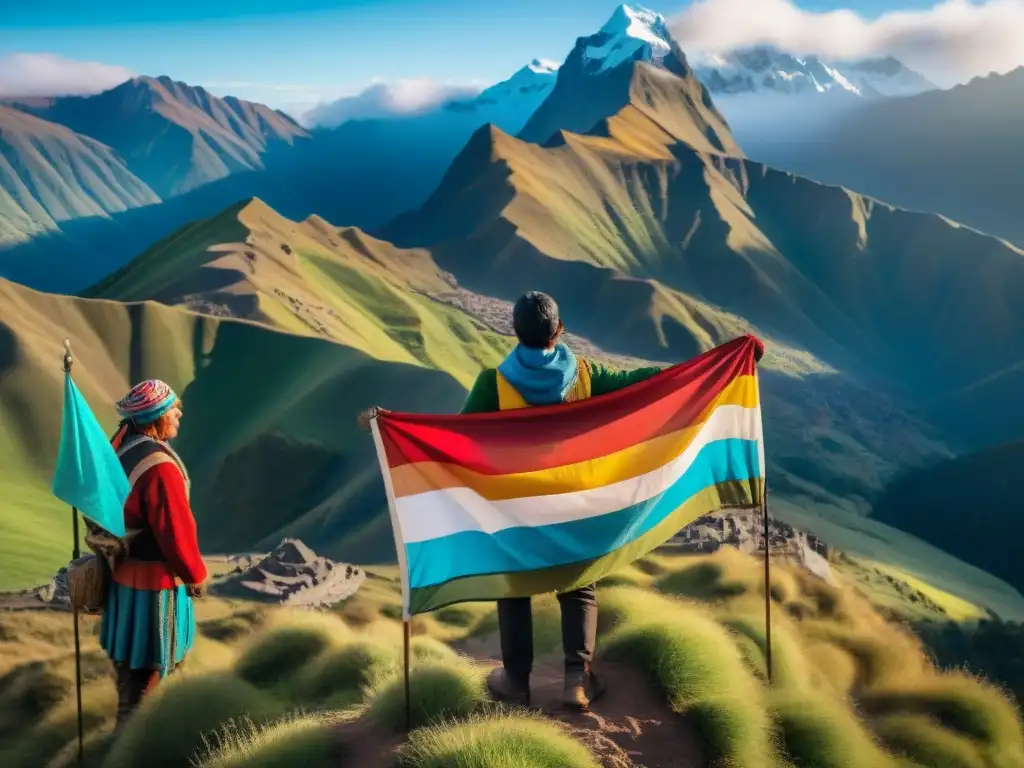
x,y
581,690
505,689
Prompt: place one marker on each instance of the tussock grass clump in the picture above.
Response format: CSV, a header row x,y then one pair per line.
x,y
298,740
819,731
829,601
650,565
52,738
29,691
457,616
377,598
506,740
790,667
233,627
347,670
621,606
835,664
703,581
436,691
427,649
33,688
700,670
169,726
959,703
737,735
883,656
633,575
291,640
921,739
619,580
209,656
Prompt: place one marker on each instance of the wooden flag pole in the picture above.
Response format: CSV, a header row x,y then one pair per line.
x,y
373,415
76,552
407,632
767,589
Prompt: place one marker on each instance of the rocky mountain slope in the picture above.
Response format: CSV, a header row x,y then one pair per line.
x,y
764,69
175,136
50,174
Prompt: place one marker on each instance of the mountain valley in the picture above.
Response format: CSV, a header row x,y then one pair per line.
x,y
615,183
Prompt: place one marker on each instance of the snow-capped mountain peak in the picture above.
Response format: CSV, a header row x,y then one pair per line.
x,y
632,33
765,69
886,77
534,80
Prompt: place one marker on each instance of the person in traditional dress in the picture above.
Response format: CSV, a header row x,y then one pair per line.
x,y
148,624
542,370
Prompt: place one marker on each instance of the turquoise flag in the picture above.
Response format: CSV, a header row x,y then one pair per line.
x,y
88,473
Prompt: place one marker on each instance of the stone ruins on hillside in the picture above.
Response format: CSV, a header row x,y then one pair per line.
x,y
292,575
744,530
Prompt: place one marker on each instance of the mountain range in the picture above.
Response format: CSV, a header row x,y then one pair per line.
x,y
760,69
49,174
205,153
958,152
625,195
175,137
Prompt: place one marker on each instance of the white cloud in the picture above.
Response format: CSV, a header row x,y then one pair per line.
x,y
385,99
950,42
46,74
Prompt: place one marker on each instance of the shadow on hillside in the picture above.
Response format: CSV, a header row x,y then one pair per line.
x,y
325,176
270,432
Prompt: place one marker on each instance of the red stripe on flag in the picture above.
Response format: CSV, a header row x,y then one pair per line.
x,y
543,437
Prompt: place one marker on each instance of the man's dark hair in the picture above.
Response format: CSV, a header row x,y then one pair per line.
x,y
535,319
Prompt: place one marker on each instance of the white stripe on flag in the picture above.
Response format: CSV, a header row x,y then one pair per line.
x,y
434,514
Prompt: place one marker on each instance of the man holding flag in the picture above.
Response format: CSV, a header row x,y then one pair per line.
x,y
541,370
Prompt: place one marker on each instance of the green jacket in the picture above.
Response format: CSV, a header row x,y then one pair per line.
x,y
483,398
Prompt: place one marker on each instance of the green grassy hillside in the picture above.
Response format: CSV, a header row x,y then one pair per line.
x,y
398,305
303,324
50,174
311,278
254,398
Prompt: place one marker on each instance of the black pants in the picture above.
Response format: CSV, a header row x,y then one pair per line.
x,y
579,631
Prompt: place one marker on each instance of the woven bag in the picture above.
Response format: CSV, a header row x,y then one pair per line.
x,y
88,582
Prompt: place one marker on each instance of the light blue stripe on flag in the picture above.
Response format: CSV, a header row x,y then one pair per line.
x,y
88,474
513,550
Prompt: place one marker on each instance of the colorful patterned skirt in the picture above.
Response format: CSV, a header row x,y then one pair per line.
x,y
147,629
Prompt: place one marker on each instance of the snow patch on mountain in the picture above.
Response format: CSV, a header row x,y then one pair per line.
x,y
886,77
532,82
762,68
631,34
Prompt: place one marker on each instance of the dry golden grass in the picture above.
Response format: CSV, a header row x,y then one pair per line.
x,y
848,690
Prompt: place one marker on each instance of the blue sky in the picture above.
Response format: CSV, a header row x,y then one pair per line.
x,y
318,49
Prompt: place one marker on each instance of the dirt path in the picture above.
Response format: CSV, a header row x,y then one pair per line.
x,y
629,727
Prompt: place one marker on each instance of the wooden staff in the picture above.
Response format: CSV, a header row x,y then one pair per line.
x,y
76,552
767,588
407,631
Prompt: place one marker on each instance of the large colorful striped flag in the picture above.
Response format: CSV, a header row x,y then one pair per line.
x,y
551,498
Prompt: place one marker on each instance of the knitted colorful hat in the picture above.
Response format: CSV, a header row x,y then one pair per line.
x,y
147,402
